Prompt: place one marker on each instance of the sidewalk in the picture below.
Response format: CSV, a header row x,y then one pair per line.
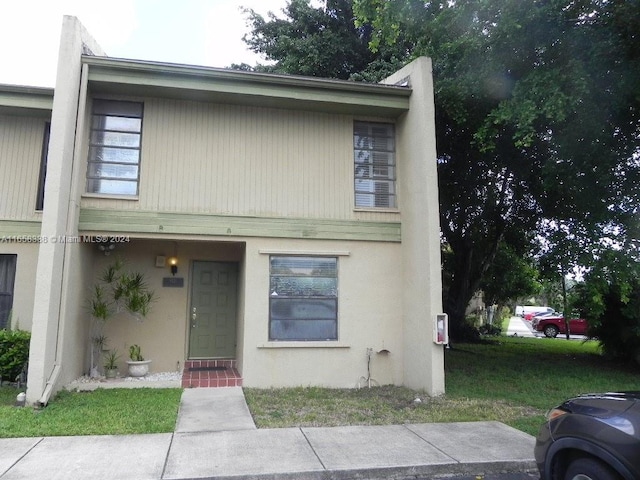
x,y
199,449
519,327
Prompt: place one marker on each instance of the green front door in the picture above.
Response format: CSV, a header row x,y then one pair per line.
x,y
212,327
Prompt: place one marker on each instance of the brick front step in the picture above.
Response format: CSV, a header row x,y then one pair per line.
x,y
210,373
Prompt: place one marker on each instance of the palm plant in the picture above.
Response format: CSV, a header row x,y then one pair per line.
x,y
116,291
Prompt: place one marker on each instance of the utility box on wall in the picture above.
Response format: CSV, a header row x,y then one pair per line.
x,y
441,329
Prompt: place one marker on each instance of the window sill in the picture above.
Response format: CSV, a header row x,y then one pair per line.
x,y
376,210
315,253
111,197
313,344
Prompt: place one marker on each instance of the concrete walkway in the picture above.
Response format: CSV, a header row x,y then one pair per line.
x,y
519,327
216,438
213,410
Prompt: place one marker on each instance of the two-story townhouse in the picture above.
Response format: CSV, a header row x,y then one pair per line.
x,y
302,214
25,115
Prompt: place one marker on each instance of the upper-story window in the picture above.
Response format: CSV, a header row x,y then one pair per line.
x,y
114,148
374,156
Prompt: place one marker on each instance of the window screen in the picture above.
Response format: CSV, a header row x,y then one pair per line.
x,y
375,164
114,148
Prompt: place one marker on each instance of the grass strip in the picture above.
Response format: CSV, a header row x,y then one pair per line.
x,y
101,412
322,407
511,380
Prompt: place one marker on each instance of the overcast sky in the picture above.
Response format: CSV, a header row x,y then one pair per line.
x,y
195,32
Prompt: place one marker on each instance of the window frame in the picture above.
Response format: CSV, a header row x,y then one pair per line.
x,y
277,326
9,289
372,171
98,140
42,176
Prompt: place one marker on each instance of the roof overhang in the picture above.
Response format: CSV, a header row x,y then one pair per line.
x,y
143,78
29,101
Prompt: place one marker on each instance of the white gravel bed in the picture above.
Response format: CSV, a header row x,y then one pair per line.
x,y
152,380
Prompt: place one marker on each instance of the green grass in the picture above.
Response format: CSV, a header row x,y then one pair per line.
x,y
512,380
312,407
101,412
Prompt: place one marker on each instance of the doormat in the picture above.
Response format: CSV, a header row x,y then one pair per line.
x,y
206,369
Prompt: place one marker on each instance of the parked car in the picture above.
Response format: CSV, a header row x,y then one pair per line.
x,y
524,310
553,325
531,316
591,437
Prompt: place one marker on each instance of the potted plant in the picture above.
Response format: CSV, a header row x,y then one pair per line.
x,y
117,291
111,364
138,366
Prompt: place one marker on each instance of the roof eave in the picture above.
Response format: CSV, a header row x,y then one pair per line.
x,y
23,100
133,77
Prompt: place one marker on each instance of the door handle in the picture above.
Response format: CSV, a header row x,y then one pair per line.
x,y
194,315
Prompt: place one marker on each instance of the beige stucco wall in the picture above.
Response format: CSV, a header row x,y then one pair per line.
x,y
163,334
49,363
418,193
370,316
74,329
369,312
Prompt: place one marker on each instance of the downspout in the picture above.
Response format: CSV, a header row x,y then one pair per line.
x,y
52,381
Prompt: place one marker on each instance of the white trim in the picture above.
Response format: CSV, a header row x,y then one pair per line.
x,y
377,209
303,344
110,196
314,253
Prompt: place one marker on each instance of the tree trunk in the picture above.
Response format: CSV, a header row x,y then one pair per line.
x,y
468,269
564,305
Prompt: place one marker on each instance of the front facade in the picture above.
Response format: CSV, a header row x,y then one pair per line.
x,y
302,214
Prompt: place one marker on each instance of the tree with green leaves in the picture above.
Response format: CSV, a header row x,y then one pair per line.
x,y
609,299
537,117
321,42
537,123
510,276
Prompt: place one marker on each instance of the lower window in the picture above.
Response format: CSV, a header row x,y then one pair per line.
x,y
7,278
303,298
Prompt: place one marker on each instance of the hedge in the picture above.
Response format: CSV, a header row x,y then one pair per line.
x,y
14,353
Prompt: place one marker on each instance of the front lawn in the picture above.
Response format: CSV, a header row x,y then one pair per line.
x,y
512,380
101,412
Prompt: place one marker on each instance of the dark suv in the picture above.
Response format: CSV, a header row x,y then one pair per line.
x,y
591,437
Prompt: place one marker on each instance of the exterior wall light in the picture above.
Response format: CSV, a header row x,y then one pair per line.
x,y
173,262
106,247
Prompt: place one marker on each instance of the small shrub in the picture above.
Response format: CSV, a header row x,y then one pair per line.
x,y
14,353
489,329
463,332
616,324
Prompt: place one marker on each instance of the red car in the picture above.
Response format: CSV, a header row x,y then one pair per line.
x,y
530,316
552,326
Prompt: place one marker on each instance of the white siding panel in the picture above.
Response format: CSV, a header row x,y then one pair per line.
x,y
20,152
238,160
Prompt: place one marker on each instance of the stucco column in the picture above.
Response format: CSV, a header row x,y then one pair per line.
x,y
58,216
418,197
